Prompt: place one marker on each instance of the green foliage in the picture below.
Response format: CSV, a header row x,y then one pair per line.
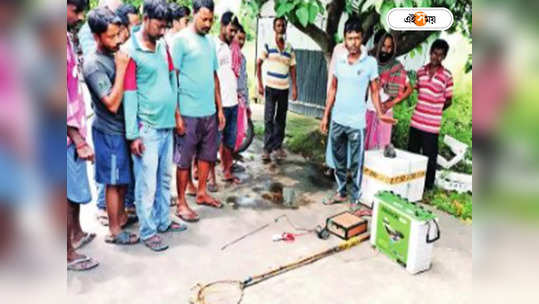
x,y
384,10
458,205
248,15
456,123
302,11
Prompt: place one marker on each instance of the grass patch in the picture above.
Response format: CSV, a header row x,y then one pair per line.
x,y
303,137
458,205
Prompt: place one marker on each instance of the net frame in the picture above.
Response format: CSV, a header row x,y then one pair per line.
x,y
201,294
241,285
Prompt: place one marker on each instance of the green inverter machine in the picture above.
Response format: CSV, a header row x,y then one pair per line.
x,y
404,231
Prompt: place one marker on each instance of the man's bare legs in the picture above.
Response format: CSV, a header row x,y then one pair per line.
x,y
76,232
114,198
191,189
227,161
81,262
184,211
203,198
213,187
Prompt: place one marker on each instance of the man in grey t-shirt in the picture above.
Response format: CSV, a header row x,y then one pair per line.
x,y
104,74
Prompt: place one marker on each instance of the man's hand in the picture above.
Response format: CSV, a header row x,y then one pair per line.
x,y
294,93
324,125
387,119
222,120
180,126
121,60
137,147
386,106
85,152
260,89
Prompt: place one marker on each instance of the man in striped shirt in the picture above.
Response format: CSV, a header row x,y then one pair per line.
x,y
435,91
280,67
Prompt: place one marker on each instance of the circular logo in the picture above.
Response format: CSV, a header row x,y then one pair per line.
x,y
420,18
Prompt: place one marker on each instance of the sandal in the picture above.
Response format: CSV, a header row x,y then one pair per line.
x,y
83,263
233,180
333,200
85,240
102,217
130,221
155,243
280,154
266,157
188,218
238,168
174,227
212,188
123,238
214,204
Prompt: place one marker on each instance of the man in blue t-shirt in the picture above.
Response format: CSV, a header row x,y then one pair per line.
x,y
200,114
354,73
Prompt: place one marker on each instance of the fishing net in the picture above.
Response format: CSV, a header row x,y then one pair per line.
x,y
221,292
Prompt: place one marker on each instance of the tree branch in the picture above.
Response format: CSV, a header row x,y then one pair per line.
x,y
318,35
369,20
335,10
409,40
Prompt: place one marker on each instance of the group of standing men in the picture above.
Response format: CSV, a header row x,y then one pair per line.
x,y
164,91
363,88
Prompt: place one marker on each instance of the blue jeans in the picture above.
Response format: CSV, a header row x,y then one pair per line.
x,y
129,200
152,181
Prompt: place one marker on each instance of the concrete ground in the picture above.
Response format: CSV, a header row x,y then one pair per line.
x,y
359,275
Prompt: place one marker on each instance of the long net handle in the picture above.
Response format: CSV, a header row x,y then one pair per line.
x,y
308,260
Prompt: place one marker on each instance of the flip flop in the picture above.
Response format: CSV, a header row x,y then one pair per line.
x,y
174,227
238,168
184,218
215,204
85,240
280,154
234,180
332,201
130,221
103,218
212,188
82,264
124,238
155,243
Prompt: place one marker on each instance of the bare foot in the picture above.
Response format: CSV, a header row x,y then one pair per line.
x,y
186,214
191,190
206,200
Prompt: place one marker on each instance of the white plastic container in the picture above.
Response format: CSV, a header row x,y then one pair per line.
x,y
403,175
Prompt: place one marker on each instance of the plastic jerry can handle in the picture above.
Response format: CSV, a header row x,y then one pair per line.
x,y
429,241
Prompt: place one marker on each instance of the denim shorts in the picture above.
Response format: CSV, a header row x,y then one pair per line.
x,y
78,187
112,159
